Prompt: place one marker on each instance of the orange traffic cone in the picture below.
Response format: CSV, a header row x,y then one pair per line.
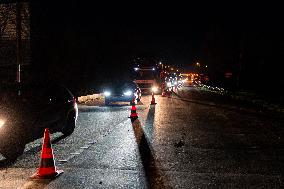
x,y
133,116
153,100
169,93
164,94
132,102
163,91
47,168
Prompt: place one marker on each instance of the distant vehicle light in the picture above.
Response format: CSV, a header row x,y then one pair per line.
x,y
153,69
107,93
127,93
2,122
154,89
136,69
169,84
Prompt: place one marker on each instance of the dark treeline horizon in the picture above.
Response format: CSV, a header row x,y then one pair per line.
x,y
85,45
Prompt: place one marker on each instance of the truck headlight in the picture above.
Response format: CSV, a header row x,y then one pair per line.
x,y
107,93
127,93
169,84
154,89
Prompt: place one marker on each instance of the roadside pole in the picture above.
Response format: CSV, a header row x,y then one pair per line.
x,y
19,39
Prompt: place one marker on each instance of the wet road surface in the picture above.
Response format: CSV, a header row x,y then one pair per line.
x,y
175,144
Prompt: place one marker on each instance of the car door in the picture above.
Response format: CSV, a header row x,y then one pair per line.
x,y
33,105
55,110
44,105
60,101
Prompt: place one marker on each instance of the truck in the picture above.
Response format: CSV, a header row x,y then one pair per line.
x,y
147,78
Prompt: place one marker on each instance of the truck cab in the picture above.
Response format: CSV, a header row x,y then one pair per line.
x,y
146,79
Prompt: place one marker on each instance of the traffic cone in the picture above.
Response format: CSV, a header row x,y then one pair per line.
x,y
133,116
169,93
153,100
163,91
133,101
164,94
47,168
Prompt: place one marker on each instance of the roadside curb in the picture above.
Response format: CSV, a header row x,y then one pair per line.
x,y
231,108
258,102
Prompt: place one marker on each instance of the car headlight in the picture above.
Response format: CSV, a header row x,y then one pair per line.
x,y
107,93
127,93
2,122
154,89
169,84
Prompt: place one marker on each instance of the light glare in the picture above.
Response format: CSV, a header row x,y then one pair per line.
x,y
169,84
2,122
107,93
127,93
154,89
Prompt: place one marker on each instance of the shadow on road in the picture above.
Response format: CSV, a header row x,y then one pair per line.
x,y
153,177
5,163
149,124
57,139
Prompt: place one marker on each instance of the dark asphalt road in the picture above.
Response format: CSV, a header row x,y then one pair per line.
x,y
175,144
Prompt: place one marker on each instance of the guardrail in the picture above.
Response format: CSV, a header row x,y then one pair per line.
x,y
248,97
93,98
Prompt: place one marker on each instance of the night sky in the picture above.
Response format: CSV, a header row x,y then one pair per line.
x,y
80,41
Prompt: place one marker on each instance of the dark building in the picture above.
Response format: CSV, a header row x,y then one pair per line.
x,y
8,40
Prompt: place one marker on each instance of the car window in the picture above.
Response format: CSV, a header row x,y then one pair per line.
x,y
59,94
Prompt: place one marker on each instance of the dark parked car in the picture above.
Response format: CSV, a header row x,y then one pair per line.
x,y
121,91
27,109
